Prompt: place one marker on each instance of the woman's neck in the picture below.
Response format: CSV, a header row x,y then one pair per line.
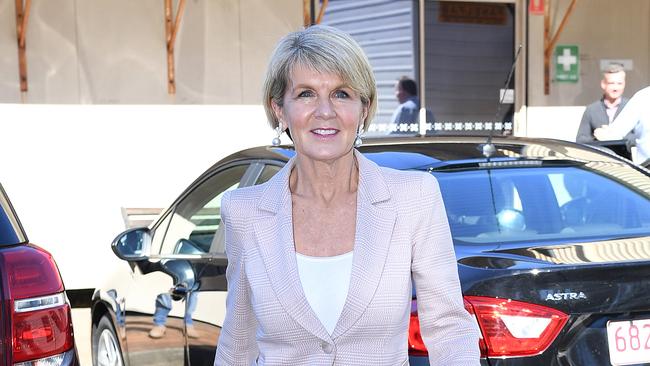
x,y
324,181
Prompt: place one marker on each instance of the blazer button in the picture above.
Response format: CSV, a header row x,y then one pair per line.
x,y
327,348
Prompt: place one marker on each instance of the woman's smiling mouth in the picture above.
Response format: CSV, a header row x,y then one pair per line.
x,y
325,132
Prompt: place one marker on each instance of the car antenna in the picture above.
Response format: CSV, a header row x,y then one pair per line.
x,y
488,148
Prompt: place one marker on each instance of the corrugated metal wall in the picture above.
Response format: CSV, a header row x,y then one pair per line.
x,y
385,29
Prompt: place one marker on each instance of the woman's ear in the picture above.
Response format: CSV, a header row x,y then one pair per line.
x,y
364,115
277,110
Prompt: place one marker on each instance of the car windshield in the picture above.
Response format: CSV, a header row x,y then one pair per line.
x,y
10,230
545,203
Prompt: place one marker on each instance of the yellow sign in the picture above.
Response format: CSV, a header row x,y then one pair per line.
x,y
472,13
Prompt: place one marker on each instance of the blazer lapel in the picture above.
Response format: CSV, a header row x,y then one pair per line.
x,y
274,236
375,223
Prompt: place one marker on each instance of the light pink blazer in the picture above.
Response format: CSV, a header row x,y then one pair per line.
x,y
402,235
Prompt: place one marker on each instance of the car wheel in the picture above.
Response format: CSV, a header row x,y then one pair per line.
x,y
106,348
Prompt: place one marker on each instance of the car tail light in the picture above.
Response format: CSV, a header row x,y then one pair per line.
x,y
509,328
416,344
40,315
515,328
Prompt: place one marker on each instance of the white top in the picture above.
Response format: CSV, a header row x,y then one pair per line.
x,y
635,116
325,281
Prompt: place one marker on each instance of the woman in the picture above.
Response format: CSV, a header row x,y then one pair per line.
x,y
321,257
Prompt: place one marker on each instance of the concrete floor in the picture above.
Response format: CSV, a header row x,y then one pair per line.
x,y
81,324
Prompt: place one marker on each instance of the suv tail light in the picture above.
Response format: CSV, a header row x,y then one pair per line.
x,y
509,328
40,315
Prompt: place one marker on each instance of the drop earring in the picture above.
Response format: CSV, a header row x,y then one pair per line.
x,y
278,130
358,141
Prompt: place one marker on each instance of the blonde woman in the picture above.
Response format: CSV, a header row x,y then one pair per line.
x,y
322,257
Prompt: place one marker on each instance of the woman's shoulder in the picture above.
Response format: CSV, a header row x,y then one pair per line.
x,y
243,195
253,200
409,181
412,190
242,201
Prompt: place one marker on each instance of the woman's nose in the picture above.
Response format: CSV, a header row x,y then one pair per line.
x,y
325,109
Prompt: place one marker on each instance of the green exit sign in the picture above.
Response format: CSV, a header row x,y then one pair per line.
x,y
567,63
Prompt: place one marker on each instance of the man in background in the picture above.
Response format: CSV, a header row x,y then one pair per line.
x,y
635,117
406,92
602,112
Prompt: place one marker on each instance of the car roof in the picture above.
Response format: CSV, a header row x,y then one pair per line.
x,y
436,151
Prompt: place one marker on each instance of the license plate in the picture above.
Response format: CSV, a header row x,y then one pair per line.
x,y
629,341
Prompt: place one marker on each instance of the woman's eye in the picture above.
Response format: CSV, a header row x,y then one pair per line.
x,y
341,94
306,94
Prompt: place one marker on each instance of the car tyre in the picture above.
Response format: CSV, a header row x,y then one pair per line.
x,y
106,347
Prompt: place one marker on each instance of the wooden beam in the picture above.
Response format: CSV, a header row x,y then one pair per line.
x,y
309,7
22,18
172,24
323,6
549,42
177,22
562,24
305,12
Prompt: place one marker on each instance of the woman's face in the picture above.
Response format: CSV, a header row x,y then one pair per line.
x,y
322,113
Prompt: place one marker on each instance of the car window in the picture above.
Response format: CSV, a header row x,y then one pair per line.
x,y
158,234
10,230
524,204
194,223
268,172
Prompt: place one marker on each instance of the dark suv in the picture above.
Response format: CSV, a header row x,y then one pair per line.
x,y
35,318
552,241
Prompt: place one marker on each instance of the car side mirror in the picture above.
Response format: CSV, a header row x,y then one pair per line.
x,y
133,244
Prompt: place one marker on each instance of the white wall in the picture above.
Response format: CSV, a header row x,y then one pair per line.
x,y
68,169
554,122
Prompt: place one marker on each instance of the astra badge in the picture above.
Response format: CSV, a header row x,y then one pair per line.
x,y
566,296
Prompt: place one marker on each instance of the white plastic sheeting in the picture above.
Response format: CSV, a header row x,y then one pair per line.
x,y
113,51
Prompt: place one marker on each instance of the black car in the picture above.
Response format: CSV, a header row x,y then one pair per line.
x,y
35,317
552,240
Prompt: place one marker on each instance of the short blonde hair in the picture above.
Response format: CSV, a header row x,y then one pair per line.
x,y
325,49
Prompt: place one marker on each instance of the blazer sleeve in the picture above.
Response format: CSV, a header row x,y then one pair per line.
x,y
237,344
449,332
585,132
